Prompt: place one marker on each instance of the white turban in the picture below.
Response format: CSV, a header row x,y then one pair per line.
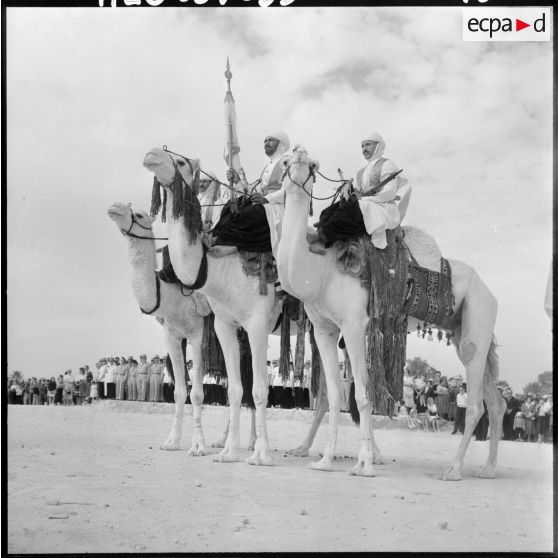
x,y
374,136
284,142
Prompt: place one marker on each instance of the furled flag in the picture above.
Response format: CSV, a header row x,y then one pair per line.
x,y
232,147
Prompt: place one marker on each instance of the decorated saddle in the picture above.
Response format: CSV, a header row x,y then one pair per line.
x,y
243,224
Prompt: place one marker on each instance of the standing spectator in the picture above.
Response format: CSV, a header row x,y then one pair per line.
x,y
81,387
452,394
422,411
43,390
89,380
35,391
429,390
461,409
442,398
433,416
278,386
111,377
513,405
59,390
528,411
51,391
142,377
541,421
408,391
132,386
519,426
69,382
121,377
27,395
101,378
420,384
156,379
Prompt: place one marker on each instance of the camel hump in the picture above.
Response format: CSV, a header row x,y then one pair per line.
x,y
423,247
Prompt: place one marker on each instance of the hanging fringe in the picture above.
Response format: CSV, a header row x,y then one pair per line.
x,y
211,352
246,370
386,276
164,212
300,342
155,197
285,348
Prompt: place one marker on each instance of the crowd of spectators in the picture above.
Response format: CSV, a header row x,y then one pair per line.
x,y
426,399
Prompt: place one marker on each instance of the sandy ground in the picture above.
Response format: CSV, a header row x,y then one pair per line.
x,y
93,479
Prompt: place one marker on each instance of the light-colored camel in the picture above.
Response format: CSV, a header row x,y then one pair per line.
x,y
336,302
180,316
234,298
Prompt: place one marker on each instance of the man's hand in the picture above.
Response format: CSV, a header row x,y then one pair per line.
x,y
233,175
258,198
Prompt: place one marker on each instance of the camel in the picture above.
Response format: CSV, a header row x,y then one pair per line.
x,y
233,296
336,302
180,313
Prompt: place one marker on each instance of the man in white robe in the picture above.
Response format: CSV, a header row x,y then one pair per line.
x,y
211,199
266,189
380,210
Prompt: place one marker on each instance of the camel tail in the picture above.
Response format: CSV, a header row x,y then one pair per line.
x,y
492,361
353,408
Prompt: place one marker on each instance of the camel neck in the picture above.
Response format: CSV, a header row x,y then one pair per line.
x,y
143,260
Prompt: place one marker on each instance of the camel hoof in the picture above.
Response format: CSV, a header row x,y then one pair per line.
x,y
451,474
301,451
362,470
227,457
321,465
486,473
218,444
170,446
260,460
251,446
197,451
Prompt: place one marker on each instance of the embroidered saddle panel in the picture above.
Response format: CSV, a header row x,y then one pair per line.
x,y
430,297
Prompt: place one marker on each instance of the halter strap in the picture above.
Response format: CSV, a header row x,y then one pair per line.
x,y
158,283
202,272
134,222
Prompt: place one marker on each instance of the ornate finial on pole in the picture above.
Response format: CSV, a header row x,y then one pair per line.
x,y
228,75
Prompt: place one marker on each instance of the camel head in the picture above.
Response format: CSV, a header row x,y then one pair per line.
x,y
180,176
299,171
135,223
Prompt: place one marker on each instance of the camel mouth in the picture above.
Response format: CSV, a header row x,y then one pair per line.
x,y
114,212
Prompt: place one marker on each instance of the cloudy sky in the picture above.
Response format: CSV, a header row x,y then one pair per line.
x,y
90,91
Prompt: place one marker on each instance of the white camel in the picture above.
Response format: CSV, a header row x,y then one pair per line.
x,y
336,302
233,296
181,317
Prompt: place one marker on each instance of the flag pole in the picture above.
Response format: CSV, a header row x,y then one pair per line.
x,y
228,96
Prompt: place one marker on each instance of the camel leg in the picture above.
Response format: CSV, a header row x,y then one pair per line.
x,y
496,406
355,343
326,338
220,443
477,326
229,343
196,397
174,348
321,409
257,334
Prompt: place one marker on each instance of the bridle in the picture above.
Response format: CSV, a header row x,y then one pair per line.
x,y
136,222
